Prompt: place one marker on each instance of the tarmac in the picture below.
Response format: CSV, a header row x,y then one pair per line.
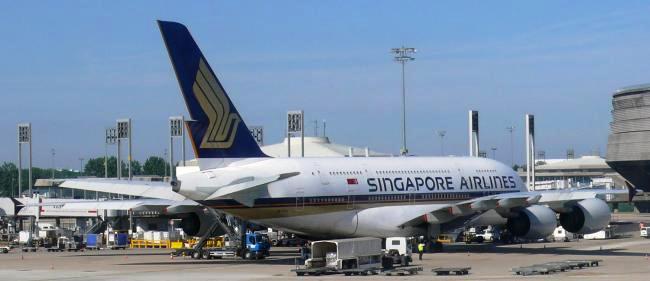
x,y
624,258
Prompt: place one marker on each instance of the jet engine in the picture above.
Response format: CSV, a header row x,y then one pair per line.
x,y
197,223
533,222
586,216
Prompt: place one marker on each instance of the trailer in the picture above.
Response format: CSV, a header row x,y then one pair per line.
x,y
552,267
354,256
401,271
448,270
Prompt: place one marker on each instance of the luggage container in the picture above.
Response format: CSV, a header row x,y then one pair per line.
x,y
94,241
117,241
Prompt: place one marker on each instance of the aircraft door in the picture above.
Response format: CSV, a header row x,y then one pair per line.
x,y
300,198
350,196
322,174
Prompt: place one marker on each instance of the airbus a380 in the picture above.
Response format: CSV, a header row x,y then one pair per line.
x,y
352,196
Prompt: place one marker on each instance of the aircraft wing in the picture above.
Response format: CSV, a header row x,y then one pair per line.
x,y
161,205
148,189
558,200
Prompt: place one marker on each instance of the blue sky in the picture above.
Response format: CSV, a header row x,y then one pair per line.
x,y
73,67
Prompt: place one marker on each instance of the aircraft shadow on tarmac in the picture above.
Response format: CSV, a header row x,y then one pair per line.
x,y
225,261
116,253
278,257
548,250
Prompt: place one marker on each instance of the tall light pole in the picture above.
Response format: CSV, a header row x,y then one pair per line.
x,y
165,153
403,55
315,128
494,153
24,137
176,131
512,145
442,134
81,166
53,153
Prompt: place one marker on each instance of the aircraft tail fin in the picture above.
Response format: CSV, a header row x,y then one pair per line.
x,y
216,130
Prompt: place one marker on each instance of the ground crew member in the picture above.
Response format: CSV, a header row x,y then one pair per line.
x,y
421,249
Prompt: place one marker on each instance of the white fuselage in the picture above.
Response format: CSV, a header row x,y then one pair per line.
x,y
361,196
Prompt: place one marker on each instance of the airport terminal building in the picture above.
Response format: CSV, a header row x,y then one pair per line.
x,y
585,171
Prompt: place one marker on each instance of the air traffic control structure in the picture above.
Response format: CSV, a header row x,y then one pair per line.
x,y
628,146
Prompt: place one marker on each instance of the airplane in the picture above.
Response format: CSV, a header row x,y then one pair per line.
x,y
347,196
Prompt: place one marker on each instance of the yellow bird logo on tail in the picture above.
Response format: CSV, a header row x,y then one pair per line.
x,y
223,124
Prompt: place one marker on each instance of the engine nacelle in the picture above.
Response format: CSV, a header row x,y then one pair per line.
x,y
197,223
533,222
587,216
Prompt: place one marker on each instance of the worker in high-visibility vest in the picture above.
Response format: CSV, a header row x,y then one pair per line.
x,y
421,249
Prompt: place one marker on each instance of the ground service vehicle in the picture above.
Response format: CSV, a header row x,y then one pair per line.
x,y
257,247
399,249
645,231
59,246
342,254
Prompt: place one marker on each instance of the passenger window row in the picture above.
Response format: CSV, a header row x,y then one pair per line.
x,y
486,171
411,172
345,173
327,200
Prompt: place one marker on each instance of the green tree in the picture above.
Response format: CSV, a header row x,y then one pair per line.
x,y
95,167
8,179
155,166
136,168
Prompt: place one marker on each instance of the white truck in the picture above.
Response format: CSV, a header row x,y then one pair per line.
x,y
606,233
399,249
645,231
486,235
560,234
